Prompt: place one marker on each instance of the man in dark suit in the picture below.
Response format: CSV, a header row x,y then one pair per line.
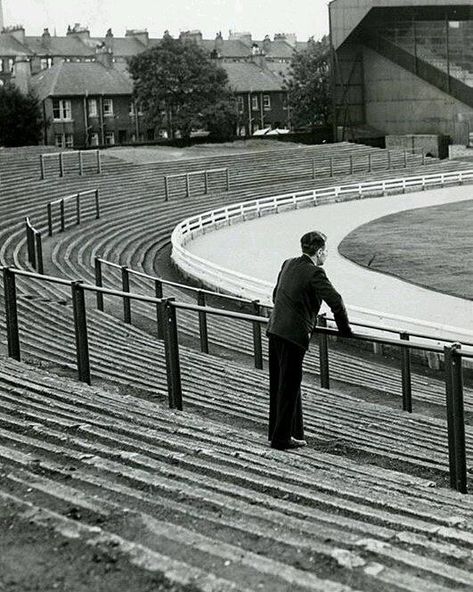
x,y
301,287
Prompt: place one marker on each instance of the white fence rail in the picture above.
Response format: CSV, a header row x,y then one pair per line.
x,y
233,282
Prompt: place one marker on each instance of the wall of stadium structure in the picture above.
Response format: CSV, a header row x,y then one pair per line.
x,y
403,68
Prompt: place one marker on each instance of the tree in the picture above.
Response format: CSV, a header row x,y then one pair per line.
x,y
177,85
21,122
309,85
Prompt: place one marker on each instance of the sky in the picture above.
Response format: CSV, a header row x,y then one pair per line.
x,y
260,17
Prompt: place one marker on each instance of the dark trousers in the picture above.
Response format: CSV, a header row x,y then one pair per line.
x,y
285,377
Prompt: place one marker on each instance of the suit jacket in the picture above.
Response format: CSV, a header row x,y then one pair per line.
x,y
300,289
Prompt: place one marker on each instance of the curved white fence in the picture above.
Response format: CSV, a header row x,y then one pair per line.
x,y
245,286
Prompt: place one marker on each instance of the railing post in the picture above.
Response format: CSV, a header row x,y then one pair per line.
x,y
81,168
99,162
97,205
41,166
206,182
62,215
30,243
389,160
369,162
423,155
158,293
166,188
188,186
50,219
331,166
171,348
61,164
405,159
313,168
228,178
257,343
126,299
98,282
11,313
323,354
203,331
78,208
455,417
406,375
80,328
351,164
39,252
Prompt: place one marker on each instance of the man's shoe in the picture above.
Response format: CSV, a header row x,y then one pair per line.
x,y
290,445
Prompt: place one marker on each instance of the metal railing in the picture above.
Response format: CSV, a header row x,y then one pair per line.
x,y
61,162
252,288
187,176
78,198
34,244
167,309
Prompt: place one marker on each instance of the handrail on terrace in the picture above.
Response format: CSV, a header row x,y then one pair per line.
x,y
34,243
79,153
188,175
62,211
166,313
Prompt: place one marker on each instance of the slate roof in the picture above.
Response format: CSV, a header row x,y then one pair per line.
x,y
77,78
11,47
248,76
69,46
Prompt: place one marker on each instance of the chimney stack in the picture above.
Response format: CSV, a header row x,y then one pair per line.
x,y
141,35
104,55
22,77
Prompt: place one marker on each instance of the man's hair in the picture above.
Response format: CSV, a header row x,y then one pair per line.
x,y
312,241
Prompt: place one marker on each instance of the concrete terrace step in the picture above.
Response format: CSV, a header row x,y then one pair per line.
x,y
183,494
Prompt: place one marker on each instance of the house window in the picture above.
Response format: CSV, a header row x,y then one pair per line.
x,y
59,140
108,107
93,109
46,63
11,61
241,107
2,67
266,102
110,138
254,103
94,139
69,141
62,109
131,109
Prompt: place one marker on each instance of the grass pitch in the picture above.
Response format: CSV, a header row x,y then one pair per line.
x,y
431,247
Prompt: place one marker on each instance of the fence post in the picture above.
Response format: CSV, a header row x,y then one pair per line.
x,y
405,158
171,348
331,166
97,205
78,208
406,375
257,345
313,168
158,293
11,313
41,166
351,164
455,417
166,188
369,162
98,282
188,186
62,214
323,354
389,160
39,252
423,155
206,182
99,163
126,299
228,178
203,332
81,169
61,164
30,243
50,219
80,329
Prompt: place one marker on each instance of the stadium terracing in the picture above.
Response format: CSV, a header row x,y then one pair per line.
x,y
404,67
155,498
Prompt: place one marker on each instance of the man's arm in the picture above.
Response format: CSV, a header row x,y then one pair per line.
x,y
324,288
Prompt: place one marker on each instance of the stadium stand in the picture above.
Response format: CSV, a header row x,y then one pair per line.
x,y
197,495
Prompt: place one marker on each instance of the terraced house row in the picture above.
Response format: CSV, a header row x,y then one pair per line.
x,y
86,91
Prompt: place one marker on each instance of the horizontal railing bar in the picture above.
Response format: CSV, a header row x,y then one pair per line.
x,y
72,196
175,175
47,154
47,278
220,312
